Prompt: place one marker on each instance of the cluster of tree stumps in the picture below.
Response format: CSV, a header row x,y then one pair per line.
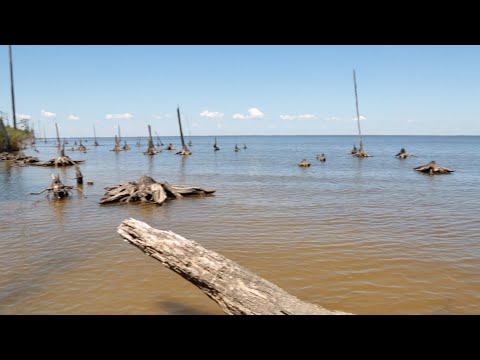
x,y
359,152
18,158
147,190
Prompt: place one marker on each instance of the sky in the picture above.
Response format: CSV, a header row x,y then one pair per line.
x,y
244,90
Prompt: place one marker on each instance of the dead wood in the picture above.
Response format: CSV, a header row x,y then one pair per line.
x,y
148,190
433,169
235,289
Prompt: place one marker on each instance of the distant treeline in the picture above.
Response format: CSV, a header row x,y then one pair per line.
x,y
16,136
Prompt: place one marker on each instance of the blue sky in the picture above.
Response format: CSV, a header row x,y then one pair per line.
x,y
248,90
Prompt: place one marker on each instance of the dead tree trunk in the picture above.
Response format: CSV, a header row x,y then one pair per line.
x,y
151,147
117,147
62,160
304,163
185,150
78,175
3,129
126,147
237,290
403,154
59,144
82,147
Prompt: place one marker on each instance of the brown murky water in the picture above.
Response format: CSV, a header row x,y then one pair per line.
x,y
367,236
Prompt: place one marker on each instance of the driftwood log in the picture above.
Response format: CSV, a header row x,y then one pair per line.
x,y
433,169
57,188
237,290
304,163
148,190
62,160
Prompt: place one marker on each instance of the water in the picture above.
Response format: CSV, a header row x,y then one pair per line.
x,y
367,236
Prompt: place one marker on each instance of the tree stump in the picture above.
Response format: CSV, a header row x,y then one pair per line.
x,y
170,147
78,175
403,154
321,157
235,289
62,160
126,147
117,147
304,163
57,188
148,190
433,169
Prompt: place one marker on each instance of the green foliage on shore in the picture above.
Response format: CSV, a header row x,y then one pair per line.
x,y
17,137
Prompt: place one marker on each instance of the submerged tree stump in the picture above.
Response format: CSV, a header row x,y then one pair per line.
x,y
359,153
62,160
78,175
170,147
321,157
57,188
403,154
82,147
148,190
235,289
433,169
117,147
304,163
126,147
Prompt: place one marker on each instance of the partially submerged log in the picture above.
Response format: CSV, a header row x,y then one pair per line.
x,y
304,163
235,289
148,190
57,188
433,169
403,154
321,157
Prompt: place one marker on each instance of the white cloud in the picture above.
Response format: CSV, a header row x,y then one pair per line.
x,y
362,118
118,116
298,117
160,117
212,114
253,113
47,114
73,117
23,116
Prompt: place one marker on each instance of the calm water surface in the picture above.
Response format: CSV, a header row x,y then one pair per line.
x,y
367,236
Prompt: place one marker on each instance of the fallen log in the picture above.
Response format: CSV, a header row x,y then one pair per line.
x,y
235,289
433,169
148,190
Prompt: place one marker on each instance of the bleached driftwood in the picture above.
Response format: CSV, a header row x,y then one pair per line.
x,y
237,290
